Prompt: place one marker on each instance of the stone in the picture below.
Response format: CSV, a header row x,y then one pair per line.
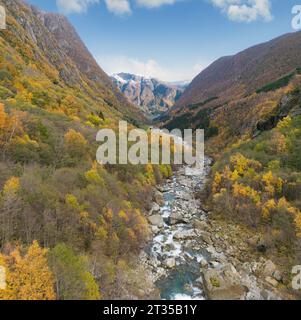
x,y
214,264
201,225
156,220
155,229
170,263
199,280
175,218
269,269
155,209
221,285
205,236
204,263
185,235
271,281
277,275
253,241
158,198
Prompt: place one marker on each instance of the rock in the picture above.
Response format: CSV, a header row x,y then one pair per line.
x,y
271,281
156,220
170,263
185,235
269,269
222,285
155,229
201,225
175,218
203,263
205,236
155,209
199,280
278,275
214,264
158,198
169,247
161,189
188,256
253,241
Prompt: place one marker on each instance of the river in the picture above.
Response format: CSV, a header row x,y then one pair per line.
x,y
175,254
187,257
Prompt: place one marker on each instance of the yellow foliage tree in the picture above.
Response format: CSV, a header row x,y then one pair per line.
x,y
27,276
3,117
11,186
75,143
272,184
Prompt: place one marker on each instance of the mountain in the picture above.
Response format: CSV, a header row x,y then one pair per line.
x,y
152,95
51,48
246,72
230,97
76,224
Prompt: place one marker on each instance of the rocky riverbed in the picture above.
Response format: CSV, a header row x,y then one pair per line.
x,y
191,256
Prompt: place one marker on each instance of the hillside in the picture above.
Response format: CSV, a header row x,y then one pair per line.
x,y
51,49
236,76
76,225
151,95
250,108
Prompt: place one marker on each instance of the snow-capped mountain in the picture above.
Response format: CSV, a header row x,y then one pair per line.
x,y
152,95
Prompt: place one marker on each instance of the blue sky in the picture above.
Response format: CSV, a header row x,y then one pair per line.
x,y
172,40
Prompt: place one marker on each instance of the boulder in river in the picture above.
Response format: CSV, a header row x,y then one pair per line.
x,y
176,217
156,220
155,230
170,263
271,281
201,225
269,268
155,208
223,284
185,235
205,236
158,198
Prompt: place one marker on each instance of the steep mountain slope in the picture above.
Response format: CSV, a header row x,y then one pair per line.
x,y
79,225
231,96
250,108
153,96
246,72
50,44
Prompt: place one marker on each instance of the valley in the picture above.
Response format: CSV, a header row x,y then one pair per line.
x,y
194,256
87,231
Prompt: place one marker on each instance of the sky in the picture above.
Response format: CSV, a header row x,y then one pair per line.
x,y
171,40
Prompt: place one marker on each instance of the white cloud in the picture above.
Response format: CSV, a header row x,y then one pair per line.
x,y
154,3
148,68
119,7
245,10
74,6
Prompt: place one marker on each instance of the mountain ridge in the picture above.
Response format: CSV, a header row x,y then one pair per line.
x,y
51,43
245,72
151,95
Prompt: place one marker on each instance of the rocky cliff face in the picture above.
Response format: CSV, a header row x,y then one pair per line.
x,y
152,95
